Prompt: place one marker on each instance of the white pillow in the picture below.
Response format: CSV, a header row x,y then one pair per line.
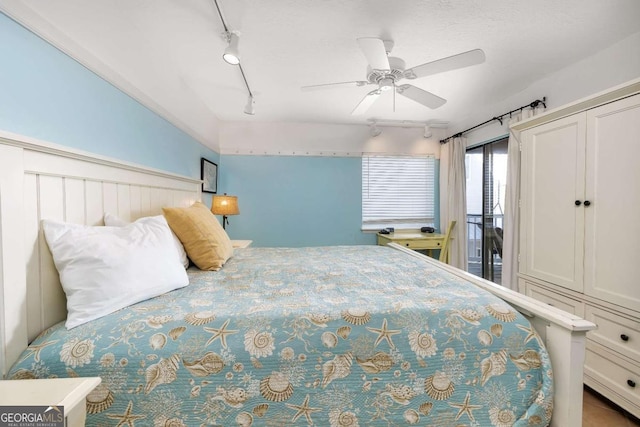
x,y
112,220
104,269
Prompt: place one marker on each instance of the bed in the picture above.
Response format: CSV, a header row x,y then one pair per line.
x,y
334,336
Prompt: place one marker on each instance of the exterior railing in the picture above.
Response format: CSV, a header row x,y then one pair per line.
x,y
474,233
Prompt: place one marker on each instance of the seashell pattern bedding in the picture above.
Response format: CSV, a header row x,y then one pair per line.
x,y
331,336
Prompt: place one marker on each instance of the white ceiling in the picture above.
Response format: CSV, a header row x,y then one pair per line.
x,y
168,53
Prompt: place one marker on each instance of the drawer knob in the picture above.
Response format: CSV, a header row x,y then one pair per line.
x,y
407,244
624,337
631,383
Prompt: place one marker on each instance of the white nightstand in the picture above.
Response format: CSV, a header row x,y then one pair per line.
x,y
68,392
237,244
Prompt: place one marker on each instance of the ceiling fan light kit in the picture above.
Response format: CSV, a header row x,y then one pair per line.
x,y
386,71
386,84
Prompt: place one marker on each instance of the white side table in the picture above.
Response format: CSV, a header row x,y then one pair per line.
x,y
68,392
241,243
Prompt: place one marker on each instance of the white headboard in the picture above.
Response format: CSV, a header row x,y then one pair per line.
x,y
40,180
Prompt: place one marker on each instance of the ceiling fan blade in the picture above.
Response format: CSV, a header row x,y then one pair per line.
x,y
366,102
334,85
375,53
421,96
461,60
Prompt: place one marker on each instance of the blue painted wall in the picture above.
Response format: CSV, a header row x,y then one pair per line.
x,y
296,201
47,95
284,201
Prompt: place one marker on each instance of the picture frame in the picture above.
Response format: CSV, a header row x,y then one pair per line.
x,y
209,176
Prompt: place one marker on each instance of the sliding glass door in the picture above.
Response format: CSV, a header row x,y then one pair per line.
x,y
486,168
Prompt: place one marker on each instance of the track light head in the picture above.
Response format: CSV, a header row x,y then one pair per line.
x,y
249,108
374,130
427,132
231,54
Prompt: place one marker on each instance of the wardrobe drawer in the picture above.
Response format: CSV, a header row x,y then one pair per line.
x,y
615,332
554,299
617,375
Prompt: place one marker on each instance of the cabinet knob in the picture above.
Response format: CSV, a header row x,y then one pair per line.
x,y
631,383
578,202
587,203
407,244
624,337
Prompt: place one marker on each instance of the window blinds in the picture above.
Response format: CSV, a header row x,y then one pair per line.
x,y
397,191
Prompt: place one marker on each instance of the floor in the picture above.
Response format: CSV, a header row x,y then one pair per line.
x,y
597,411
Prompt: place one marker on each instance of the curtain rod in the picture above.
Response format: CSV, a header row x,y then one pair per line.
x,y
499,118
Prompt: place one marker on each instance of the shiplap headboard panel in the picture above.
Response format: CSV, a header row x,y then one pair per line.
x,y
42,181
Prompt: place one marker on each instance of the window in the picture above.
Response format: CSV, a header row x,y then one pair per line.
x,y
486,186
397,191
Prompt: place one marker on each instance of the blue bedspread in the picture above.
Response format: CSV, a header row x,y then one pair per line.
x,y
334,336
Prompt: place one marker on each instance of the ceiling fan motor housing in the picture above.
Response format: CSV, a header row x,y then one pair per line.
x,y
387,78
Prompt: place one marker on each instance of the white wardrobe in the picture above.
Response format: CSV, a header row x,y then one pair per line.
x,y
580,229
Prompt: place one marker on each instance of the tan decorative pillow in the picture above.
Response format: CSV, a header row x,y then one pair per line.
x,y
204,239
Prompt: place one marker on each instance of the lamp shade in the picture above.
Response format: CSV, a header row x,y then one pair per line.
x,y
225,205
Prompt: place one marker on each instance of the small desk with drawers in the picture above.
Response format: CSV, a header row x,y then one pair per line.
x,y
413,240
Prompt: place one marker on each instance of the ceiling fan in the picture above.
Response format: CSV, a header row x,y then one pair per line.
x,y
386,72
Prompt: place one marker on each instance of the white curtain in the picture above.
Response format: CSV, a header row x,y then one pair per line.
x,y
453,198
511,232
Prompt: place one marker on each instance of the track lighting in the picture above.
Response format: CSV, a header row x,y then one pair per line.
x,y
374,130
249,108
231,53
427,126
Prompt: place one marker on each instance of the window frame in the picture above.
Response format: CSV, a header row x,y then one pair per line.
x,y
406,221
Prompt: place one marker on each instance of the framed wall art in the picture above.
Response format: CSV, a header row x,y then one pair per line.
x,y
209,176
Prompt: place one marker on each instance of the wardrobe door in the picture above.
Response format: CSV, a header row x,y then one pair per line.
x,y
612,219
552,211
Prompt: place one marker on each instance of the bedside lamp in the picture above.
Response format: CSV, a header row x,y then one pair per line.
x,y
224,205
